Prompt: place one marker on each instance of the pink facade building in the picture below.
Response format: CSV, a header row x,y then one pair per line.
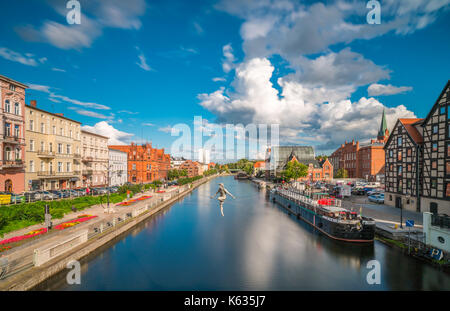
x,y
12,135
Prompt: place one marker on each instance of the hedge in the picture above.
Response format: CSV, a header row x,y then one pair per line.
x,y
15,217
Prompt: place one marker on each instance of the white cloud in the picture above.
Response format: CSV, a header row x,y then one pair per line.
x,y
58,70
166,129
219,79
229,59
198,28
103,128
96,15
303,112
380,89
148,124
25,59
142,61
57,98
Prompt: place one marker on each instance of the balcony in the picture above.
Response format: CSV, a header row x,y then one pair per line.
x,y
46,154
88,172
12,164
77,155
12,139
53,174
87,159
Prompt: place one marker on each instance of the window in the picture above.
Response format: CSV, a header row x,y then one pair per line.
x,y
68,167
399,155
434,164
434,147
399,171
390,153
61,131
442,110
12,87
433,183
32,166
42,128
16,130
60,148
69,149
17,153
134,166
8,154
400,185
54,130
399,141
448,168
42,146
31,125
408,184
7,106
60,167
409,167
31,145
17,109
7,129
42,166
435,129
409,152
50,147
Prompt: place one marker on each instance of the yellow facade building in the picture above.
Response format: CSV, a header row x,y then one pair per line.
x,y
53,154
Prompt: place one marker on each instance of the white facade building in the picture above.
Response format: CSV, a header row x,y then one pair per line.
x,y
203,156
118,166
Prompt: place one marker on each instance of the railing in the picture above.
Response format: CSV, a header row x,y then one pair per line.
x,y
77,155
442,221
13,139
53,173
12,163
88,159
45,153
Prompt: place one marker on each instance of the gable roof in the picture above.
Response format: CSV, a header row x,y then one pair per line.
x,y
383,125
436,104
413,133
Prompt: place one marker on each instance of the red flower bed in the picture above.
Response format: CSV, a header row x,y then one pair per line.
x,y
24,237
74,222
4,248
160,191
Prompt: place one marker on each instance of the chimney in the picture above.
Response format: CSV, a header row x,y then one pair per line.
x,y
33,103
60,114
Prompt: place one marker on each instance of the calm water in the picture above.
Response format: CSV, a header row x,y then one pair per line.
x,y
256,246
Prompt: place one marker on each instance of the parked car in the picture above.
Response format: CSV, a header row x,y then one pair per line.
x,y
358,191
32,196
17,198
47,195
377,198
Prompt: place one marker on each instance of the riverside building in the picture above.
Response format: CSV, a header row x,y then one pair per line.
x,y
53,150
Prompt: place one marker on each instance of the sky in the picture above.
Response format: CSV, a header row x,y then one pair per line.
x,y
133,70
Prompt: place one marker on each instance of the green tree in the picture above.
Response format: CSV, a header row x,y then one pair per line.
x,y
341,173
294,170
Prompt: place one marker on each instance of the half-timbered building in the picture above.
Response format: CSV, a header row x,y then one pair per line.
x,y
403,158
436,155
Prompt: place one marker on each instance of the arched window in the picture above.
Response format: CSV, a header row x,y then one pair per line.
x,y
17,109
7,106
8,154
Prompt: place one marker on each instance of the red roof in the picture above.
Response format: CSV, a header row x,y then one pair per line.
x,y
412,131
259,164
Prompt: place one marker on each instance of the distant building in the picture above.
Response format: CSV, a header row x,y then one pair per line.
x,y
404,165
436,156
12,135
259,166
118,167
279,156
53,155
192,168
363,160
145,163
175,162
95,159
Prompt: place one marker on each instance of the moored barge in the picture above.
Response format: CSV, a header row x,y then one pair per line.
x,y
326,215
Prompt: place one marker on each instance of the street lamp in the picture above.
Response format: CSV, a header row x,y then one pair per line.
x,y
108,169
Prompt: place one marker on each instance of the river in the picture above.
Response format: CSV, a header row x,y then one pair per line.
x,y
257,245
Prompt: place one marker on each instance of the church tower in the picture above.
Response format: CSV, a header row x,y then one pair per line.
x,y
383,133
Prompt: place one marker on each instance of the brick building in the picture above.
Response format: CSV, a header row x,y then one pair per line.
x,y
12,135
145,163
192,168
279,156
363,160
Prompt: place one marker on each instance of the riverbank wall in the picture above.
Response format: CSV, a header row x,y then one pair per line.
x,y
34,276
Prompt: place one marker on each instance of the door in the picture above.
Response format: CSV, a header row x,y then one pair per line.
x,y
8,186
398,202
433,208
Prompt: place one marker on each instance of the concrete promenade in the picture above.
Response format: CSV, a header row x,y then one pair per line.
x,y
30,276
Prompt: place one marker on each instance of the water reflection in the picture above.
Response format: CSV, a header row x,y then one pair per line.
x,y
256,246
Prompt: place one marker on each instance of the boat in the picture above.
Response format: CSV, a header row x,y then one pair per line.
x,y
326,215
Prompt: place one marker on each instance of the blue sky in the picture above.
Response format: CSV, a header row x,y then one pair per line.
x,y
133,69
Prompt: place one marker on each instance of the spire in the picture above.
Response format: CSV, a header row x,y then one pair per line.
x,y
383,127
